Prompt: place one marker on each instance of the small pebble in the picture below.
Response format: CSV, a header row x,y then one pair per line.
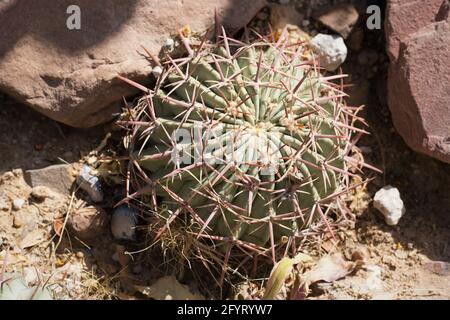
x,y
80,254
123,223
169,45
388,201
331,50
88,223
40,193
157,71
17,222
18,204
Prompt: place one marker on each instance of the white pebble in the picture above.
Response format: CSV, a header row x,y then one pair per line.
x,y
18,204
331,50
387,200
169,44
123,223
157,71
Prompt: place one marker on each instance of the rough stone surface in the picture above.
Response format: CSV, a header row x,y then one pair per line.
x,y
123,223
88,222
388,201
58,178
418,38
341,19
331,50
70,75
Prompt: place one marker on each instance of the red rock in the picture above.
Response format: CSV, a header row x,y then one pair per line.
x,y
419,75
69,75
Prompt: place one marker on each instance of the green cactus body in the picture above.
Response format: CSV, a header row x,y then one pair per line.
x,y
274,135
13,287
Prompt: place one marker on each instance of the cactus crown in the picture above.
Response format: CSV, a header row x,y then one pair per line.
x,y
247,144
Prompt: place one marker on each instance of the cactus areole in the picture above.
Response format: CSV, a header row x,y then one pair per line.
x,y
249,144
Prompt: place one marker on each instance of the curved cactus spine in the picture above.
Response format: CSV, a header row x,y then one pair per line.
x,y
265,139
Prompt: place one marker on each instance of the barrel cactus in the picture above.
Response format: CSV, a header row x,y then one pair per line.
x,y
246,144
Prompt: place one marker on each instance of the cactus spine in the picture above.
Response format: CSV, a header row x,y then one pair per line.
x,y
247,145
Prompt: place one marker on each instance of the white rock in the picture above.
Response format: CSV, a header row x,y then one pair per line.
x,y
18,204
331,50
157,71
123,223
169,45
387,200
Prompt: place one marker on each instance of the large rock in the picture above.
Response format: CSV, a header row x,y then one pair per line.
x,y
58,178
69,75
418,37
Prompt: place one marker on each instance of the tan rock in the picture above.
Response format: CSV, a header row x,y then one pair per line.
x,y
70,75
88,222
341,19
